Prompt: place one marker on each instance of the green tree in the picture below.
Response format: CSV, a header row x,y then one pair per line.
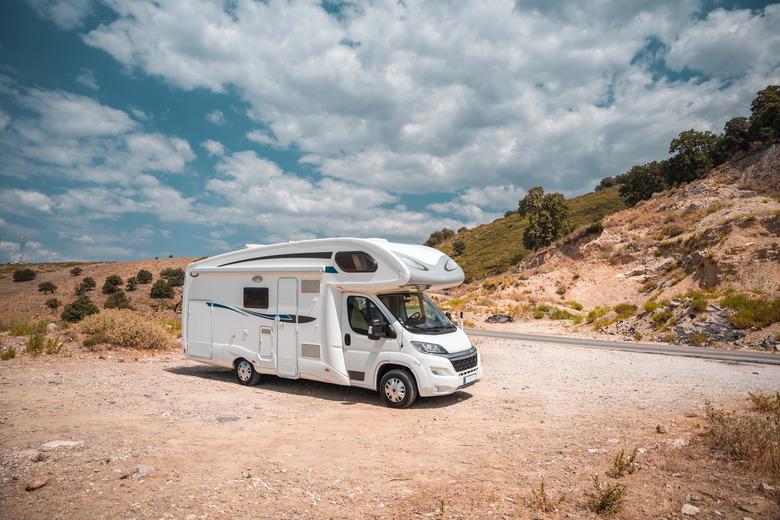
x,y
87,284
437,237
458,247
640,182
764,126
117,300
143,277
80,308
693,156
130,284
548,217
46,287
76,271
734,139
174,276
53,303
161,289
24,275
112,284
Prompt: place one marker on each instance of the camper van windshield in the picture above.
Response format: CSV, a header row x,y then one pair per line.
x,y
417,313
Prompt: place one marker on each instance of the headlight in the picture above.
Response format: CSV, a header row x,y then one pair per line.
x,y
428,348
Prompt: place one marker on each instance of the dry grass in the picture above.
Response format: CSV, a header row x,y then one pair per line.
x,y
606,499
123,328
750,436
543,502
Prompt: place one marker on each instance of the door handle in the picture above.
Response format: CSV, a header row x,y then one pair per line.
x,y
347,339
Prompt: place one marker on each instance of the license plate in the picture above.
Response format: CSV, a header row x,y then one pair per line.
x,y
467,380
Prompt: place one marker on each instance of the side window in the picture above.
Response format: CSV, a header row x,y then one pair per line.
x,y
256,297
355,262
360,311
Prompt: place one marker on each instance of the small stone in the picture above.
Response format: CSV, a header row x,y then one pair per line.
x,y
51,327
660,428
227,418
34,484
53,445
679,443
689,510
142,471
756,505
766,487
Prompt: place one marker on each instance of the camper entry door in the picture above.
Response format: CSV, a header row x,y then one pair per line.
x,y
287,327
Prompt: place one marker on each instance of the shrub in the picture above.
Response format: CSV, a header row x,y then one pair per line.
x,y
112,284
765,403
78,309
538,314
751,437
8,354
87,284
46,287
698,302
53,346
76,271
542,501
53,303
24,275
174,276
596,313
117,300
437,237
458,247
625,310
123,328
748,312
28,328
699,339
606,499
661,317
641,181
143,277
650,305
560,314
130,284
624,465
161,289
596,228
575,305
35,344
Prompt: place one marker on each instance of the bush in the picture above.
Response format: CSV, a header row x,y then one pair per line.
x,y
112,284
606,500
87,284
698,302
596,313
76,271
174,276
53,303
35,344
661,317
24,275
548,217
161,289
79,309
437,237
596,228
130,285
625,310
117,300
458,247
8,354
53,346
46,287
28,328
624,465
651,305
765,403
560,314
123,328
143,277
751,313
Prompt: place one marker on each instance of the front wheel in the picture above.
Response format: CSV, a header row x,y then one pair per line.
x,y
246,373
398,389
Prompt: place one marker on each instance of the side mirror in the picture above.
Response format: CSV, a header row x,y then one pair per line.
x,y
376,329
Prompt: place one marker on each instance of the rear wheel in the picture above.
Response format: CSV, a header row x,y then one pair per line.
x,y
398,389
246,374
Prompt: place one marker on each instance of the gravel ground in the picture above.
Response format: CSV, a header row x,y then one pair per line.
x,y
164,437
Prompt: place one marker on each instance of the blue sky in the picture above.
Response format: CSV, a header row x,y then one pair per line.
x,y
131,130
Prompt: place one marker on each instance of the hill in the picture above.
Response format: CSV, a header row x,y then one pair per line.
x,y
697,264
492,248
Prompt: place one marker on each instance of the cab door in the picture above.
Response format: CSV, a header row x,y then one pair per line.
x,y
360,352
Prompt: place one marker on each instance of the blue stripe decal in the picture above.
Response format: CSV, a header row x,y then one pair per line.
x,y
288,318
220,306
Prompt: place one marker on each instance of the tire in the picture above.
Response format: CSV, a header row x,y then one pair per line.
x,y
398,389
245,373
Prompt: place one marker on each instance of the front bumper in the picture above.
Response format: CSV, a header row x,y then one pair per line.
x,y
439,376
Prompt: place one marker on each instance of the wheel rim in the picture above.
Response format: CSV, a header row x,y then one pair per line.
x,y
244,371
395,390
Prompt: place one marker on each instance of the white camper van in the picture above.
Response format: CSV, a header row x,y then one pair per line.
x,y
342,310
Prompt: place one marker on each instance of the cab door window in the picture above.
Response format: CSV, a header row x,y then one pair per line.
x,y
360,312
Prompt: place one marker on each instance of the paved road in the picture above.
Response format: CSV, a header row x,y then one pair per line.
x,y
742,356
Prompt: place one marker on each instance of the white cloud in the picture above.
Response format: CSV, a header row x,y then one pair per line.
x,y
87,78
216,117
25,201
5,119
214,148
67,14
263,137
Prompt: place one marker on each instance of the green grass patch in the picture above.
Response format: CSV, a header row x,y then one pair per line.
x,y
597,313
748,312
28,328
625,310
560,314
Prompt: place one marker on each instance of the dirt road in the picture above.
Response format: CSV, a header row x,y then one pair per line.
x,y
164,437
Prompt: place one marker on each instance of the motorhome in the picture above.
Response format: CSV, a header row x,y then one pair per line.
x,y
341,310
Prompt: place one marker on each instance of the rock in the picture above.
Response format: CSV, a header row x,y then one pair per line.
x,y
679,443
689,510
142,471
499,318
51,327
53,445
227,418
768,343
37,483
766,487
660,428
757,505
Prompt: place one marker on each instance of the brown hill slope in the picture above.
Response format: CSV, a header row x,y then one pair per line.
x,y
697,264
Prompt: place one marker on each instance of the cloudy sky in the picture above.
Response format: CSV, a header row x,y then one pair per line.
x,y
131,129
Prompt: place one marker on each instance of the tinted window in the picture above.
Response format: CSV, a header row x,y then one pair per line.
x,y
355,262
256,297
361,311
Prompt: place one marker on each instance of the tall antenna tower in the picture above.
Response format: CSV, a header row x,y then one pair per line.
x,y
22,244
